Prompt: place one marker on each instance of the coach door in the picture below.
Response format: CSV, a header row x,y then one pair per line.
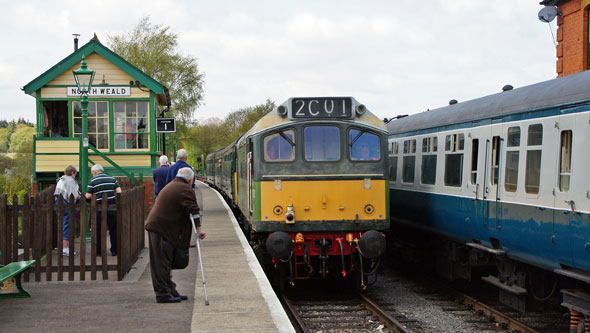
x,y
570,234
492,203
477,166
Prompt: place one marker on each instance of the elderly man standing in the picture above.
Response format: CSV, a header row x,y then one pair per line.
x,y
100,184
160,174
181,156
169,227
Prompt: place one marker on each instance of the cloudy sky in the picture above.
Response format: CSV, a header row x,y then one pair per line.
x,y
396,57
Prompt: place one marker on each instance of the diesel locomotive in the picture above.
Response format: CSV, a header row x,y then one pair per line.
x,y
308,183
502,181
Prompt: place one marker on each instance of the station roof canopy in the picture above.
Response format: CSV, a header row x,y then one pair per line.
x,y
94,46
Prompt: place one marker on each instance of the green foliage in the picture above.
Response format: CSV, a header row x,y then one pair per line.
x,y
4,139
153,49
18,185
21,138
6,163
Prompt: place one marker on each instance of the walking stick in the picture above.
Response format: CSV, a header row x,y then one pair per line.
x,y
199,252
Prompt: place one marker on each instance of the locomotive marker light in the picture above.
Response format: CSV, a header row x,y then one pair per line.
x,y
290,215
361,109
84,78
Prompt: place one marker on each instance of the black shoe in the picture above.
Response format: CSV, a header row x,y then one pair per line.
x,y
182,297
170,299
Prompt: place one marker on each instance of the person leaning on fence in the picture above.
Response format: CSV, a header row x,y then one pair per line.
x,y
181,157
169,226
100,184
67,186
160,175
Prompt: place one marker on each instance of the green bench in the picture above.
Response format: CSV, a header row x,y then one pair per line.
x,y
10,279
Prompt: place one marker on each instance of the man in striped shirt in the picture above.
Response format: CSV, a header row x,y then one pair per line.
x,y
100,184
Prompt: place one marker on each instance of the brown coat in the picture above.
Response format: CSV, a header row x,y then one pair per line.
x,y
170,215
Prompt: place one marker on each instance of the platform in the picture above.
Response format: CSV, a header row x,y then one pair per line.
x,y
241,299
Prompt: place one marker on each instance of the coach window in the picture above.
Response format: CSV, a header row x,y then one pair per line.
x,y
278,147
409,161
428,172
454,146
131,125
393,152
512,159
565,161
364,146
98,123
322,143
474,155
495,160
532,177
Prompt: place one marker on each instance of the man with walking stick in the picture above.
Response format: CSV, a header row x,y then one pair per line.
x,y
169,229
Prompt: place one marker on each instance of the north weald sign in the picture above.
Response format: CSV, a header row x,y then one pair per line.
x,y
165,125
102,91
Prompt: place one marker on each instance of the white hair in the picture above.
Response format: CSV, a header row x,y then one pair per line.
x,y
181,154
185,173
163,159
97,168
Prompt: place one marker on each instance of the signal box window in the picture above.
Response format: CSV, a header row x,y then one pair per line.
x,y
532,175
131,125
454,146
512,159
565,161
364,146
409,161
98,123
322,143
278,147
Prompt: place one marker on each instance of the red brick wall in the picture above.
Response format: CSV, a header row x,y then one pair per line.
x,y
149,194
572,38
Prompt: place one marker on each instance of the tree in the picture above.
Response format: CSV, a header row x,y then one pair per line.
x,y
4,139
239,122
153,49
21,138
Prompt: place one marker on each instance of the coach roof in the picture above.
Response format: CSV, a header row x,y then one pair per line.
x,y
564,90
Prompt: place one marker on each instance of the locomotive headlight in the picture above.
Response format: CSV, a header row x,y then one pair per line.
x,y
361,109
282,111
290,215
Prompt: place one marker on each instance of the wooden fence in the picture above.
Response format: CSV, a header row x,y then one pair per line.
x,y
34,230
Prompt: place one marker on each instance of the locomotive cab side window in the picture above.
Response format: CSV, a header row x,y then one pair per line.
x,y
279,147
512,159
565,161
322,143
454,146
364,146
532,177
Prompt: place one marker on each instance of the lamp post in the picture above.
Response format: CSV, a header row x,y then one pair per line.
x,y
84,77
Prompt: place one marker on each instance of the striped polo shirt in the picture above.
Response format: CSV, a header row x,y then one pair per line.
x,y
103,183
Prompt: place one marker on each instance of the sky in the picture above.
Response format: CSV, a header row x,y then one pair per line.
x,y
396,57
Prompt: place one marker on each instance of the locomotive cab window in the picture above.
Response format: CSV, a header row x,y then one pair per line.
x,y
278,147
364,146
322,143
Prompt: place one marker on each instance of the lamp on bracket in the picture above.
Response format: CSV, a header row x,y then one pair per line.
x,y
137,84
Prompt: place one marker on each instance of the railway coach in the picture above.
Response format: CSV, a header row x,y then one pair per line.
x,y
308,182
502,180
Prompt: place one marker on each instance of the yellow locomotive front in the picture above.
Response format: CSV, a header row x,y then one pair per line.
x,y
317,185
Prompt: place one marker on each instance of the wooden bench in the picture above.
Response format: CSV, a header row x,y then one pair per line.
x,y
10,279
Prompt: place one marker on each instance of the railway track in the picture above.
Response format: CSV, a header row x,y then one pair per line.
x,y
337,313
